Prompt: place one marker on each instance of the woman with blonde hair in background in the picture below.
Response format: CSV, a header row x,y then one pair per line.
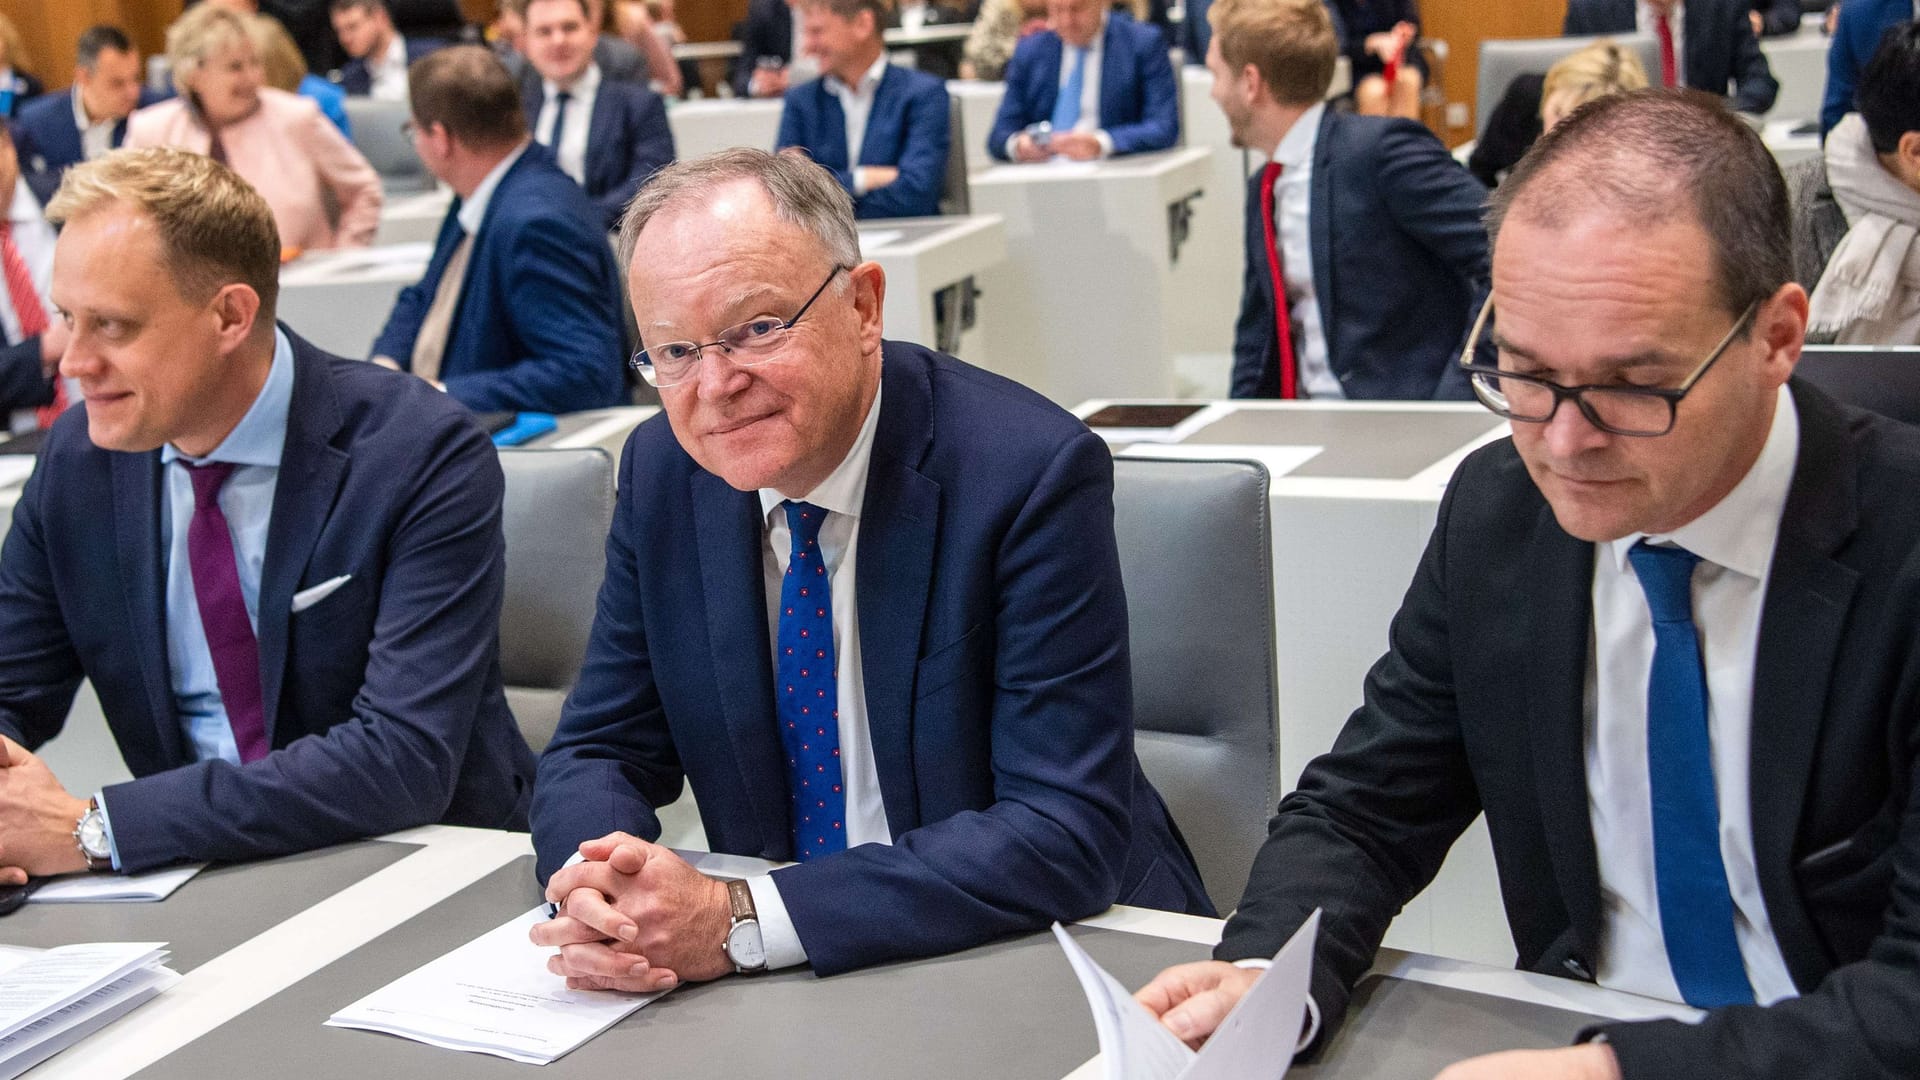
x,y
1535,103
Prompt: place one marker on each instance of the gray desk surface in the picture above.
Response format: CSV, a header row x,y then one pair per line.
x,y
1395,447
1399,1029
220,908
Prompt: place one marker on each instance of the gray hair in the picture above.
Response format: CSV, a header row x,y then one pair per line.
x,y
803,194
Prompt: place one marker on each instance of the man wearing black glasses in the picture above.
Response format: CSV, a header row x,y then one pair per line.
x,y
1667,639
864,599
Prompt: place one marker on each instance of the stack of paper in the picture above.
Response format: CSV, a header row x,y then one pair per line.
x,y
53,999
493,995
1257,1039
114,888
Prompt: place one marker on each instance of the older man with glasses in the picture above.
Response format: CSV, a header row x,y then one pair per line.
x,y
1667,639
943,744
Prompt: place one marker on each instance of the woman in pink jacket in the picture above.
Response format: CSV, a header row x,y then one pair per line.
x,y
323,193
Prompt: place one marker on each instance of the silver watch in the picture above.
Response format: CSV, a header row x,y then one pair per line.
x,y
744,945
90,836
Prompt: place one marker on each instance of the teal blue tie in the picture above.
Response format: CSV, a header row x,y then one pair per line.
x,y
1066,107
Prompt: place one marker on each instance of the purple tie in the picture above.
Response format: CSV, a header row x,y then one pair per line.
x,y
223,611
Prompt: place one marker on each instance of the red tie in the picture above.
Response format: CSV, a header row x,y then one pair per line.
x,y
1282,317
1663,29
31,313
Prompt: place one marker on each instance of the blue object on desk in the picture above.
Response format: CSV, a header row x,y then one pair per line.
x,y
525,428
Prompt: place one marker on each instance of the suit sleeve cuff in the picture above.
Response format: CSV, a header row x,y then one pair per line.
x,y
777,935
1311,1030
1106,144
106,822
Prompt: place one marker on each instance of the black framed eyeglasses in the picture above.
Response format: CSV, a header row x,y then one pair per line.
x,y
1637,411
749,344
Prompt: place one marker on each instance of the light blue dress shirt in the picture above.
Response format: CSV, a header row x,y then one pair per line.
x,y
255,445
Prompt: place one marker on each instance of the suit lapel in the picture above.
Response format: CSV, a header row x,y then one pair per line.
x,y
602,125
733,594
136,523
880,117
898,532
1320,231
1046,74
1556,655
311,470
1114,65
834,151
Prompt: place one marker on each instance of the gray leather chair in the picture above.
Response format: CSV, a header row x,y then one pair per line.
x,y
1502,60
955,196
1197,556
559,505
378,135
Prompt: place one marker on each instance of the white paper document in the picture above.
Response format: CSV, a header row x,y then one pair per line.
x,y
493,995
1279,460
1257,1039
52,999
114,888
36,1042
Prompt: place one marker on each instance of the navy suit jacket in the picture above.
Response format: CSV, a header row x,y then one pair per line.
x,y
628,140
1856,36
1139,104
22,385
1718,41
994,644
1400,264
538,324
384,702
766,31
907,128
357,81
49,141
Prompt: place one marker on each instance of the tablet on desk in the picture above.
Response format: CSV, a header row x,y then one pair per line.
x,y
1147,415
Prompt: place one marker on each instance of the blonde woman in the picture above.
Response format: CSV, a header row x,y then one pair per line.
x,y
1535,103
16,86
323,193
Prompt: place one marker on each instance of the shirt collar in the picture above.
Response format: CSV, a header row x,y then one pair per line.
x,y
1740,530
396,52
869,80
583,87
844,491
25,208
473,209
80,118
1649,16
261,435
1296,146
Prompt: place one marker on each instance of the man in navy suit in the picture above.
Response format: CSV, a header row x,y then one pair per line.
x,y
57,131
519,308
280,570
607,134
378,54
1710,44
881,130
943,742
1100,82
1364,225
766,50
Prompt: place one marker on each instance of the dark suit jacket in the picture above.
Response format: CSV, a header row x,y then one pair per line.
x,y
1139,104
1856,36
538,323
357,81
993,638
1478,706
49,141
942,61
384,703
1777,17
628,140
1511,130
767,31
1718,41
907,128
1400,264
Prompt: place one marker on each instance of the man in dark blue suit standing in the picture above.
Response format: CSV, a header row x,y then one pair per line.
x,y
281,570
881,130
943,742
519,308
1706,44
55,132
607,134
1364,227
1100,82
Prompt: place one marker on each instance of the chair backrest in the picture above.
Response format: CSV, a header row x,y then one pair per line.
x,y
955,197
377,132
1885,380
1502,60
1197,557
558,507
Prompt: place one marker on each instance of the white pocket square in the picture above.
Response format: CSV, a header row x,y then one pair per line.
x,y
306,598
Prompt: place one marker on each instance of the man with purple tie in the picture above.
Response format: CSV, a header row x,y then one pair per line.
x,y
280,570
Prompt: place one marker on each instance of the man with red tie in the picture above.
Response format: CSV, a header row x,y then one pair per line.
x,y
1706,44
1365,250
33,341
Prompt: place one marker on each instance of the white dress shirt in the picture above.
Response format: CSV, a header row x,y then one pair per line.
x,y
388,73
572,151
1735,542
96,136
1292,201
1089,88
856,105
842,494
1646,19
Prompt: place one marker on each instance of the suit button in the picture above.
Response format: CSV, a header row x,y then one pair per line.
x,y
1578,968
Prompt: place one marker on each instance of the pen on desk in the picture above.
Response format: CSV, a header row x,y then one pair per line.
x,y
13,896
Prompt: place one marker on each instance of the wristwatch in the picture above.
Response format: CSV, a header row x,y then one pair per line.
x,y
90,835
744,946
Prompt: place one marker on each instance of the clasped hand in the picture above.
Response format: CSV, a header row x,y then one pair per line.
x,y
636,917
37,818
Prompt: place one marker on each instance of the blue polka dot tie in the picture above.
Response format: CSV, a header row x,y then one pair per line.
x,y
807,694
